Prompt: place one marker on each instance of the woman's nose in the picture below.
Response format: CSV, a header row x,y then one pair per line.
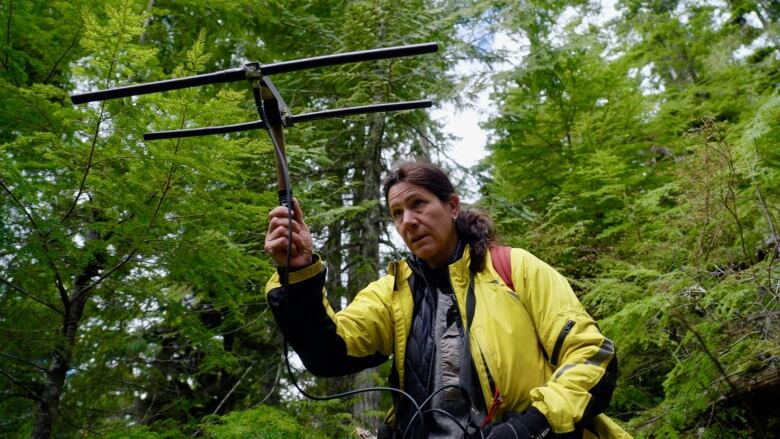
x,y
409,218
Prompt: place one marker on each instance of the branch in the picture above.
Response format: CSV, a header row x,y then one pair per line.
x,y
247,324
89,164
30,295
147,20
21,360
95,137
64,417
388,243
57,277
8,32
765,210
432,143
273,385
168,185
166,189
248,369
33,395
169,179
64,53
60,286
552,145
121,381
21,206
108,273
228,395
19,419
718,365
702,343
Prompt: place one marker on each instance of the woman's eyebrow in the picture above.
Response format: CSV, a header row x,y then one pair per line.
x,y
402,201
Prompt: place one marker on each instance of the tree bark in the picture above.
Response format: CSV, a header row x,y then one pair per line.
x,y
334,264
368,268
61,356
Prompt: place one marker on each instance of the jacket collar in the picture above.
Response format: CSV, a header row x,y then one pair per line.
x,y
458,266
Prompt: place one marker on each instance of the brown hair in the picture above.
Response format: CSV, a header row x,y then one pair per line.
x,y
473,226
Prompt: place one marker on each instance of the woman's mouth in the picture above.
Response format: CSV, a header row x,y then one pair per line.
x,y
418,238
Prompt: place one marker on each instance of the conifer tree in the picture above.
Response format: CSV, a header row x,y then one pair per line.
x,y
626,155
131,271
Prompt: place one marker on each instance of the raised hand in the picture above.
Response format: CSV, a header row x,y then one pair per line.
x,y
278,235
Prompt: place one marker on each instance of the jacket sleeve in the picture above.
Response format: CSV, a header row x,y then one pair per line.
x,y
331,344
583,359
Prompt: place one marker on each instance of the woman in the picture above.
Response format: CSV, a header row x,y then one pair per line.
x,y
485,353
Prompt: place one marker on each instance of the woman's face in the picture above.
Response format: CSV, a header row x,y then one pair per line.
x,y
426,223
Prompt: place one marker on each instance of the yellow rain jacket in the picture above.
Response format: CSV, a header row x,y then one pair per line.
x,y
537,345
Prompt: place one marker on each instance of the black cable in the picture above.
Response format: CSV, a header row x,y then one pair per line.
x,y
347,393
449,415
430,398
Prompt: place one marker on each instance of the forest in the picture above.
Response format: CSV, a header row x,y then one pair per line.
x,y
637,152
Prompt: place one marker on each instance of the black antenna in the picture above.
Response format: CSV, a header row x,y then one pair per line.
x,y
273,112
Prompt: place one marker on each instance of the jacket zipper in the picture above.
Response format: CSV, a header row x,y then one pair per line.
x,y
491,383
467,333
559,342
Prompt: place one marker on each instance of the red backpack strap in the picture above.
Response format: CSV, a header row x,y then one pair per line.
x,y
502,262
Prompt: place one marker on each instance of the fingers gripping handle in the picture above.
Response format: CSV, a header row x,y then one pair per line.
x,y
282,175
286,199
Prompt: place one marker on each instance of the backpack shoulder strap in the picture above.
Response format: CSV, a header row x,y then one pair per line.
x,y
501,256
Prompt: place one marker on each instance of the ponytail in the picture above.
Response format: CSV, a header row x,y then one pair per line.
x,y
477,229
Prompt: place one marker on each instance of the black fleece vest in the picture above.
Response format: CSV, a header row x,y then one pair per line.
x,y
420,345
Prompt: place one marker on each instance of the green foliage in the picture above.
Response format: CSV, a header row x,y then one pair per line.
x,y
263,422
143,432
150,247
640,156
644,154
136,267
331,418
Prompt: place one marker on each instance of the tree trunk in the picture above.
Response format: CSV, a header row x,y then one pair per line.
x,y
49,401
367,269
334,264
